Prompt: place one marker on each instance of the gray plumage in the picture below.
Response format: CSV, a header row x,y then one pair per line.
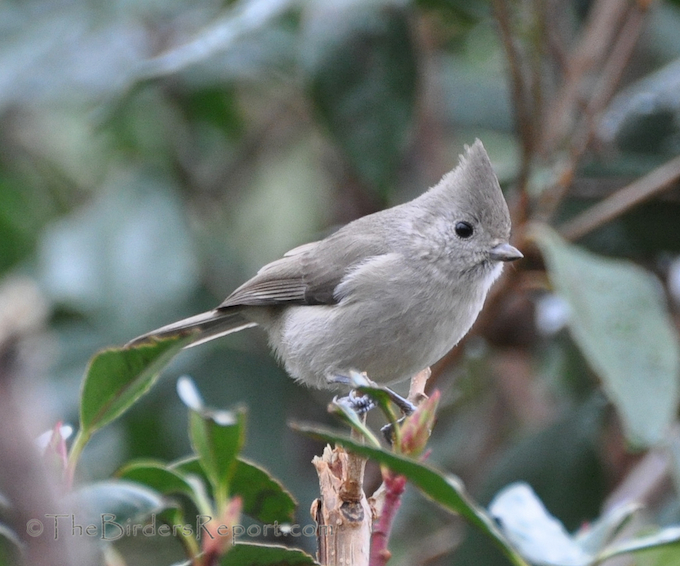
x,y
388,294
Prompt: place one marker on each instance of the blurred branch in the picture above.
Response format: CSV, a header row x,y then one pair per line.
x,y
623,200
522,89
599,33
611,74
562,125
244,18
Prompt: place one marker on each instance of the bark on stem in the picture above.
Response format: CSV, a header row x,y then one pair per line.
x,y
342,512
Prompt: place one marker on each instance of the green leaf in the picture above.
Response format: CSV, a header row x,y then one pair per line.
x,y
362,71
620,323
445,489
167,481
110,504
265,555
263,496
190,465
157,476
118,377
217,438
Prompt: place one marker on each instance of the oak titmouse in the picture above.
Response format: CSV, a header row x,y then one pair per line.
x,y
388,294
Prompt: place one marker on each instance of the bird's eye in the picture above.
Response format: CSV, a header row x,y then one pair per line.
x,y
464,230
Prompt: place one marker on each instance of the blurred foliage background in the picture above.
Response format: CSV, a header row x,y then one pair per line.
x,y
155,153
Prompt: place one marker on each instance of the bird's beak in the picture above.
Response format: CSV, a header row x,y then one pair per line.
x,y
505,252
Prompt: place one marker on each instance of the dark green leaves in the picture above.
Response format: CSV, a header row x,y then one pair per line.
x,y
118,377
114,381
158,476
362,72
263,497
117,500
217,438
216,468
622,327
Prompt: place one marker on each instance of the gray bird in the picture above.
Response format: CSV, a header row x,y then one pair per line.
x,y
388,294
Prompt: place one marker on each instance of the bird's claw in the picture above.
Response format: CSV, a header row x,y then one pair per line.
x,y
360,404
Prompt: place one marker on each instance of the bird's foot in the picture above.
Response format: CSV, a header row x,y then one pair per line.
x,y
365,403
360,404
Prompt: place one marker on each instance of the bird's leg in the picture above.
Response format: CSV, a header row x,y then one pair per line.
x,y
405,406
416,393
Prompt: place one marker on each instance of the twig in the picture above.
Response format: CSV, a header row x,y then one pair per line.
x,y
519,88
605,21
392,489
610,76
599,33
554,32
416,391
623,200
386,500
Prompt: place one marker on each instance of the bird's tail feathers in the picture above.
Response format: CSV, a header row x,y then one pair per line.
x,y
204,327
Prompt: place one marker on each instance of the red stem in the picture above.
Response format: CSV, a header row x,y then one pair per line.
x,y
394,488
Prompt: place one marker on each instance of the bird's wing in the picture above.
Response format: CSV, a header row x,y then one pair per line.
x,y
309,274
